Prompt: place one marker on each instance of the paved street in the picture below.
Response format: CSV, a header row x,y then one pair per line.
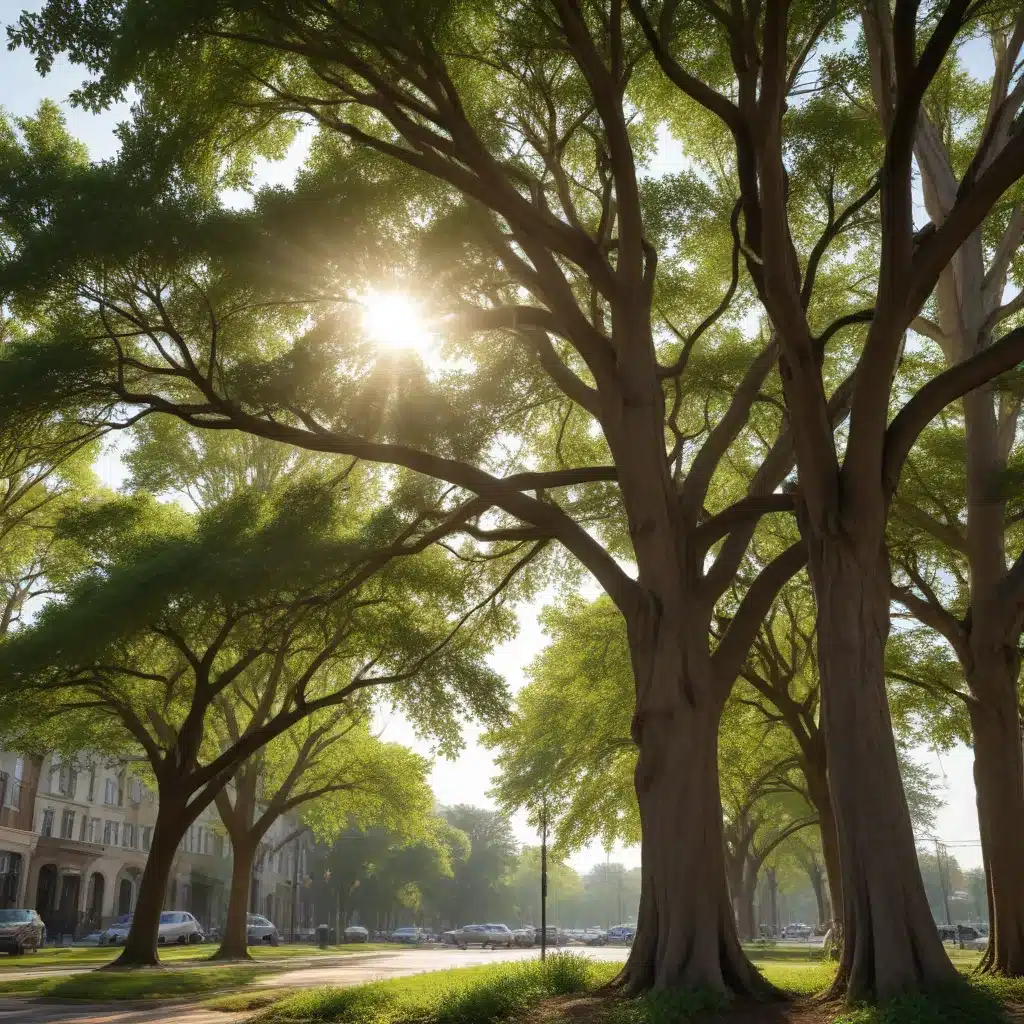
x,y
351,970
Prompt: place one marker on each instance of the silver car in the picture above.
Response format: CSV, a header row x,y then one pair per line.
x,y
21,930
259,931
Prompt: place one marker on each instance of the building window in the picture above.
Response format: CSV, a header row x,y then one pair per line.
x,y
135,791
67,825
12,793
147,837
113,795
110,832
83,829
129,836
92,785
46,825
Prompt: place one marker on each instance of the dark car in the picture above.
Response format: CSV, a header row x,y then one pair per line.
x,y
21,930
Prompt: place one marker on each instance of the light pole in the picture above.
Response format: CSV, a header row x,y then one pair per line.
x,y
544,878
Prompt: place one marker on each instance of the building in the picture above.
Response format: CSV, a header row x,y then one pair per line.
x,y
75,834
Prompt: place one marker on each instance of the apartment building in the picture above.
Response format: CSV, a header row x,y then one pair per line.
x,y
75,834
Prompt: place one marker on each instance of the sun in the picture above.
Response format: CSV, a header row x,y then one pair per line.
x,y
395,321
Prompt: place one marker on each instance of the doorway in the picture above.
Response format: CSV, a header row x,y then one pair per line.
x,y
94,899
46,888
124,897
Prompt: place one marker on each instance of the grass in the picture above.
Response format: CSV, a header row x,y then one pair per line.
x,y
141,984
469,995
94,956
247,999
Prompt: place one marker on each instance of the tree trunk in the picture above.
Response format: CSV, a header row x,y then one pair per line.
x,y
890,941
140,948
686,933
748,925
999,784
817,880
821,799
234,945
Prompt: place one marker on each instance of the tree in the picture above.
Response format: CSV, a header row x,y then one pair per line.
x,y
330,770
845,493
574,311
479,887
960,509
513,122
276,600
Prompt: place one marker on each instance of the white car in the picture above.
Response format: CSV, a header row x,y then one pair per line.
x,y
259,931
485,934
176,926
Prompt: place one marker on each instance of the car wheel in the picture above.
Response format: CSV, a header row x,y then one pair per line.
x,y
275,940
194,937
182,940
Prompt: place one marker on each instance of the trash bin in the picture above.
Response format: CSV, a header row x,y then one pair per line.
x,y
322,934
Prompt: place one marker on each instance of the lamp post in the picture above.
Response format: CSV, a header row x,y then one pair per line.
x,y
544,878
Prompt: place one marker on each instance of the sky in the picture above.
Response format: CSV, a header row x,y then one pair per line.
x,y
469,778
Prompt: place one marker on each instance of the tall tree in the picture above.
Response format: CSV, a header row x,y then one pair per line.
x,y
845,491
514,124
327,769
283,598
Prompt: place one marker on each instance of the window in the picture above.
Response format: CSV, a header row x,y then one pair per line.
x,y
112,793
67,825
83,830
12,796
147,837
135,791
110,832
95,832
92,785
46,825
129,836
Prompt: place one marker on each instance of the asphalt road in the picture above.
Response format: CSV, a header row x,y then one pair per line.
x,y
351,970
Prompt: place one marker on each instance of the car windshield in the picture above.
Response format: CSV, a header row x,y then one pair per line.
x,y
124,919
15,916
169,918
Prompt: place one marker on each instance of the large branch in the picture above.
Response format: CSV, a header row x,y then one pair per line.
x,y
946,387
734,646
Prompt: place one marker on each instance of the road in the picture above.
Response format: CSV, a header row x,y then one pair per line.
x,y
352,970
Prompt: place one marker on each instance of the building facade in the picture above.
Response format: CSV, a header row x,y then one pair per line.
x,y
75,834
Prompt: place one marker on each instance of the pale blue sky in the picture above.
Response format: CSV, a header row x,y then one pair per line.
x,y
467,779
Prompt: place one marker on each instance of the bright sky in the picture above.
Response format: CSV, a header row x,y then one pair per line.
x,y
469,778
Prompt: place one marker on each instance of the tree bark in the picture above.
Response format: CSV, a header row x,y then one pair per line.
x,y
686,933
821,799
890,941
999,785
748,923
141,946
234,945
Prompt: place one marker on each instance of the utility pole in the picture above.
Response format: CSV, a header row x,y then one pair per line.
x,y
544,878
943,881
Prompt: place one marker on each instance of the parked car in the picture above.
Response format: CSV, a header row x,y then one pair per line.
x,y
117,931
356,933
260,931
553,938
523,937
797,931
622,933
483,934
21,930
178,926
408,935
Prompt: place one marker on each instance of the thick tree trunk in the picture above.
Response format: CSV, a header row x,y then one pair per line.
x,y
821,799
140,948
999,784
686,934
890,941
234,945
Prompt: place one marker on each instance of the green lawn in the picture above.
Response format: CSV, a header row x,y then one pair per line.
x,y
95,987
91,956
